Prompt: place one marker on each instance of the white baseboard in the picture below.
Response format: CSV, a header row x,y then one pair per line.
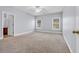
x,y
58,32
67,44
23,33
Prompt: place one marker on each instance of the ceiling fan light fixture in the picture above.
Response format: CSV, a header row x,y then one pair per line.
x,y
38,10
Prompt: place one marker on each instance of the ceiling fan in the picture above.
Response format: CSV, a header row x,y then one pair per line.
x,y
39,9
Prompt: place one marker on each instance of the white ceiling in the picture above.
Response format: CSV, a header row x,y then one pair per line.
x,y
45,9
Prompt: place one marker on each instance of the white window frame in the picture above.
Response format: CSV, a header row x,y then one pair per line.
x,y
59,23
37,25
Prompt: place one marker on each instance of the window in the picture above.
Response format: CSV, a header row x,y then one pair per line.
x,y
38,23
56,23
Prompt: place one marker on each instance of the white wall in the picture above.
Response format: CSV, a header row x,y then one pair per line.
x,y
23,23
69,26
77,28
77,17
46,22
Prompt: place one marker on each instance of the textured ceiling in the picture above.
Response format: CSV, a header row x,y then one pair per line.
x,y
45,9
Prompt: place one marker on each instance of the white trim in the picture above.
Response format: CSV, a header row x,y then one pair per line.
x,y
67,44
59,23
37,24
8,13
48,31
23,33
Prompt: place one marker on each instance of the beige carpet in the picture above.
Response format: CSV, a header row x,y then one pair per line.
x,y
35,42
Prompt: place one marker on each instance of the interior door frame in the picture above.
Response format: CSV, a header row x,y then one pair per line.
x,y
8,13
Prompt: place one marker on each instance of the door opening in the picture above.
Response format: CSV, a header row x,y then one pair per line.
x,y
8,25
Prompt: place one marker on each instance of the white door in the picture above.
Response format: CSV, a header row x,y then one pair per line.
x,y
77,29
11,25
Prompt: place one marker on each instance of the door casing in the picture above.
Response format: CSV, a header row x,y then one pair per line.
x,y
8,13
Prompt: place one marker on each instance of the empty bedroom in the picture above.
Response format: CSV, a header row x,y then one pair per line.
x,y
39,29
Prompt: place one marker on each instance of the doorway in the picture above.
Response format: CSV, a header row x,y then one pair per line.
x,y
8,24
